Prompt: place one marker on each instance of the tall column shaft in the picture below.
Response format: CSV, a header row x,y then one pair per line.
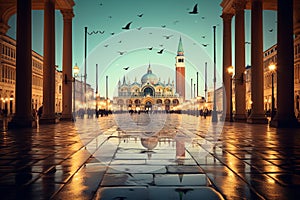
x,y
227,61
49,63
67,65
240,86
23,115
285,115
257,74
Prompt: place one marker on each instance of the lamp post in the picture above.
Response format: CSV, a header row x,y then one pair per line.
x,y
230,72
75,71
214,112
272,69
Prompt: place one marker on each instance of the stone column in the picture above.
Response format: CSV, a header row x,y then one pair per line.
x,y
23,115
285,115
296,18
240,86
67,65
48,115
257,115
227,54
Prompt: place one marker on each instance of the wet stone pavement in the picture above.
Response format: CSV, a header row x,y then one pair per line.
x,y
150,156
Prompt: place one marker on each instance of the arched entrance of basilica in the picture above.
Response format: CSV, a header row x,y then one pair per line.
x,y
148,105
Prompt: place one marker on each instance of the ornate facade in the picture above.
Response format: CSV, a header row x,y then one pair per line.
x,y
149,94
8,78
152,94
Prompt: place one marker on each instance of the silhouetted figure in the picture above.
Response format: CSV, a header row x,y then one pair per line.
x,y
40,112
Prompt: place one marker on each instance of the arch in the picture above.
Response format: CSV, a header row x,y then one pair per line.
x,y
137,102
128,102
148,105
120,102
167,102
175,102
148,91
159,101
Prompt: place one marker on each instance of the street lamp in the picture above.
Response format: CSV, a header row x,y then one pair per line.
x,y
75,71
230,72
272,69
214,112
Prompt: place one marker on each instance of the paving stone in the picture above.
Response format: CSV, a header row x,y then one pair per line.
x,y
81,160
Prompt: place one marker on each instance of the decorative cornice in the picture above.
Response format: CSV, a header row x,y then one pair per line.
x,y
67,14
227,16
239,5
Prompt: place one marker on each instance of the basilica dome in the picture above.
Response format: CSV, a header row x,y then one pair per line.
x,y
149,77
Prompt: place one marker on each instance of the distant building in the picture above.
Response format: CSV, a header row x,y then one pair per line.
x,y
270,57
151,93
8,78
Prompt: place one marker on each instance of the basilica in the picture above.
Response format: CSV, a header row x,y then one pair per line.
x,y
151,94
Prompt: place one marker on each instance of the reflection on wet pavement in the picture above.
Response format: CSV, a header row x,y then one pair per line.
x,y
186,157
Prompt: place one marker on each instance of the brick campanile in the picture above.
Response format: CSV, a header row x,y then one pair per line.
x,y
180,71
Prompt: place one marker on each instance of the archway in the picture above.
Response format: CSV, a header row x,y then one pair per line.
x,y
148,91
148,105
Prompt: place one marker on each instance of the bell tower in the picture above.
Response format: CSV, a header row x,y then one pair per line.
x,y
180,71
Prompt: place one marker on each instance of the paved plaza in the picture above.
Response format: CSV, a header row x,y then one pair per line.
x,y
150,156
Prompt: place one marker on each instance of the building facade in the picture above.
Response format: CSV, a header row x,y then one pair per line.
x,y
152,94
149,94
8,78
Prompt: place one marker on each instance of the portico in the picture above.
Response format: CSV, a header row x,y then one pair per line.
x,y
288,24
23,114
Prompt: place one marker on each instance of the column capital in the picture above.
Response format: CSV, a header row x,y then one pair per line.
x,y
67,14
227,16
239,5
3,28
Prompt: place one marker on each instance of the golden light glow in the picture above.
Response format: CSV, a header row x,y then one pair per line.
x,y
272,67
76,70
230,70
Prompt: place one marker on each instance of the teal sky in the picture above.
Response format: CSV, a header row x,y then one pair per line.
x,y
111,15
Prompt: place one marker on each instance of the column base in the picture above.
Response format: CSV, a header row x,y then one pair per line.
x,y
285,123
214,116
48,120
227,118
240,118
21,122
66,117
257,119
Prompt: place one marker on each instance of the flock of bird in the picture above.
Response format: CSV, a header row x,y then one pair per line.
x,y
127,26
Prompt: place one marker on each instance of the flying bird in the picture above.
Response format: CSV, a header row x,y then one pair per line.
x,y
168,36
140,15
161,51
112,33
121,52
203,36
150,48
126,68
247,42
195,10
202,17
161,45
163,26
120,41
205,45
127,27
106,45
139,28
270,30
